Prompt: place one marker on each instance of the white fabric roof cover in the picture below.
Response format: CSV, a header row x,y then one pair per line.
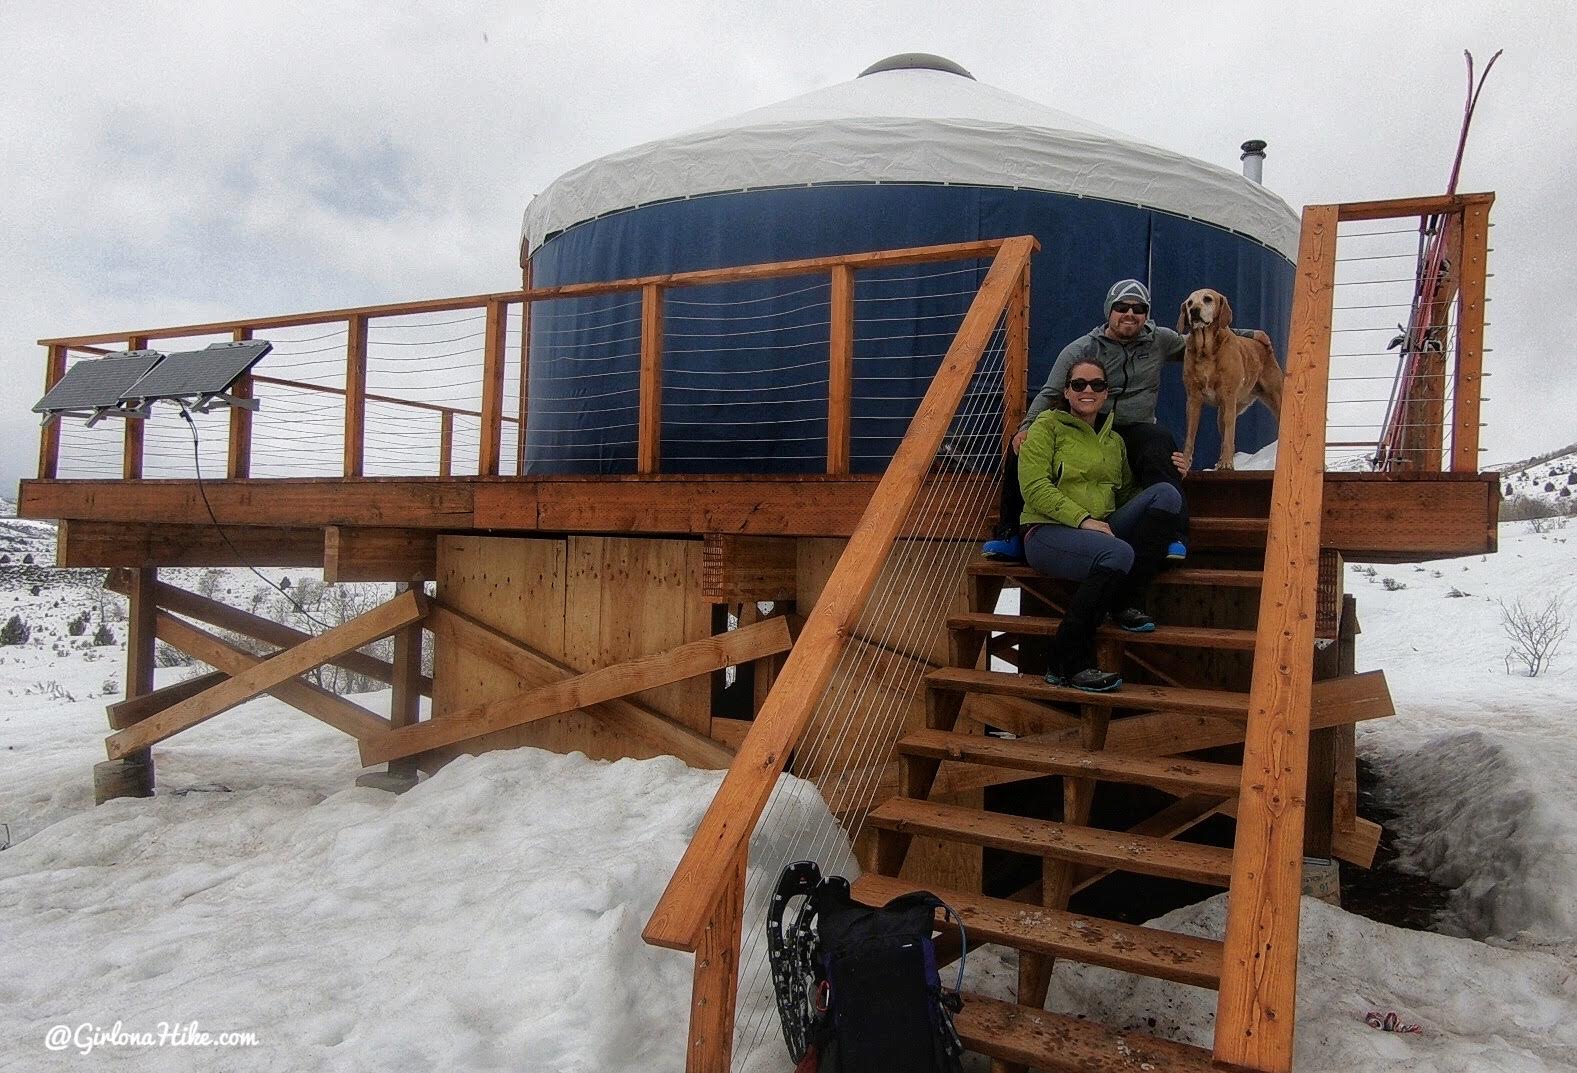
x,y
913,126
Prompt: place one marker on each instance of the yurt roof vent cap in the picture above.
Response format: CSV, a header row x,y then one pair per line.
x,y
916,61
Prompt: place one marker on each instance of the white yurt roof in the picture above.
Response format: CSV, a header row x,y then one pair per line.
x,y
913,124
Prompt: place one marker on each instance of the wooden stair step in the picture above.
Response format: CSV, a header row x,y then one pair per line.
x,y
1215,702
1046,838
1039,626
1215,577
1056,1042
1186,959
1174,775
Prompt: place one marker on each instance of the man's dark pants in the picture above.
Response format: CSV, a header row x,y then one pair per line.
x,y
1149,447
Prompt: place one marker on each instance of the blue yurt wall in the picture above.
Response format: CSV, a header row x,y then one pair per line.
x,y
744,381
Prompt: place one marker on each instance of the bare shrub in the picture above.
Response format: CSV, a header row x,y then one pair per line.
x,y
1536,633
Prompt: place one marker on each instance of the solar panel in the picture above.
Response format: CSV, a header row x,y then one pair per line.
x,y
204,375
95,387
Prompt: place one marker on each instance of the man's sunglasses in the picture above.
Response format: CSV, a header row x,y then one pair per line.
x,y
1130,307
1093,385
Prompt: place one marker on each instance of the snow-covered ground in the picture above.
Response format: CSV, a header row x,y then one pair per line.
x,y
490,918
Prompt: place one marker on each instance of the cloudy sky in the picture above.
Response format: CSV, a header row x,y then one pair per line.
x,y
166,162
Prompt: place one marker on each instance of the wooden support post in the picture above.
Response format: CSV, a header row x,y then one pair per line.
x,y
525,373
355,394
1319,808
238,463
493,389
715,990
1058,876
840,369
1344,794
1015,366
649,443
131,451
1474,261
132,775
1256,1007
405,702
445,442
49,436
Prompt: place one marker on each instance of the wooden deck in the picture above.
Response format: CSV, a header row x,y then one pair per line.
x,y
386,528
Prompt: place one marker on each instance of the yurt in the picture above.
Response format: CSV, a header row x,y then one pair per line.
x,y
913,152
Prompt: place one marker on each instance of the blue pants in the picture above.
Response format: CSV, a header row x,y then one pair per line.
x,y
1061,551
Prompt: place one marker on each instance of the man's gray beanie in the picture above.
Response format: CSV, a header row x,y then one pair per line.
x,y
1126,289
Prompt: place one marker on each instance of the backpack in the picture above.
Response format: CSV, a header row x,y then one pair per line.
x,y
857,987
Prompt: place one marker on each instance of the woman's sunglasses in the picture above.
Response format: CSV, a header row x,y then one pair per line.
x,y
1093,385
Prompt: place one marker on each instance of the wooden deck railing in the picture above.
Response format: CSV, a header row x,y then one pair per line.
x,y
1440,360
700,911
355,322
1257,1000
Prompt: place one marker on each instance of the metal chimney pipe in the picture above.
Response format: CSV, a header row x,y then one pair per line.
x,y
1254,161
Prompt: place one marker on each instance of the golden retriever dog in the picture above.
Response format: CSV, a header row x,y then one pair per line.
x,y
1224,369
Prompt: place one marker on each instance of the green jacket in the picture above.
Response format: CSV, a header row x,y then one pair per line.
x,y
1069,471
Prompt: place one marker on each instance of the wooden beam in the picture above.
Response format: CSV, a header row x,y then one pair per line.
x,y
124,713
1359,845
355,396
492,389
49,436
1367,517
681,914
445,443
1472,273
225,617
840,369
91,544
454,627
649,443
339,713
381,621
1395,208
357,554
238,455
741,569
1257,1004
594,687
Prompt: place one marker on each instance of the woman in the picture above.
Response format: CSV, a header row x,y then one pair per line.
x,y
1086,520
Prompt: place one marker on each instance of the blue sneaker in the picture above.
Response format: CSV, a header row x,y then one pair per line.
x,y
1011,548
1177,551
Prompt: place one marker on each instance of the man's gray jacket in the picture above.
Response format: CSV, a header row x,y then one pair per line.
x,y
1133,371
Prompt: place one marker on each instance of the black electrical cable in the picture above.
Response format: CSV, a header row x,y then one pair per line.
x,y
197,466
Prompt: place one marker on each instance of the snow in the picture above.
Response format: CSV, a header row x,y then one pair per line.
x,y
490,918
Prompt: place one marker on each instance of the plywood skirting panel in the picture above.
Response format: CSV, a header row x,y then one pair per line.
x,y
633,596
588,601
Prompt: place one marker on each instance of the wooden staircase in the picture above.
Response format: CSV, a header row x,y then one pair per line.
x,y
1085,740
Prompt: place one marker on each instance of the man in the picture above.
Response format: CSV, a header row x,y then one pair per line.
x,y
1132,351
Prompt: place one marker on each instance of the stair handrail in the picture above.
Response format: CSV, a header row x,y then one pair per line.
x,y
714,857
